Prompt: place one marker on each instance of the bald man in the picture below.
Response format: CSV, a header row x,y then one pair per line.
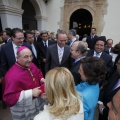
x,y
78,51
22,87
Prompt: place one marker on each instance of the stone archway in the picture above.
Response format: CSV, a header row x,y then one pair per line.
x,y
97,9
28,17
81,20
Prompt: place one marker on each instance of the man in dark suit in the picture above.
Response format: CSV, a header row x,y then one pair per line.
x,y
42,49
71,37
58,55
92,38
78,51
37,38
7,36
98,51
9,50
29,37
109,47
108,91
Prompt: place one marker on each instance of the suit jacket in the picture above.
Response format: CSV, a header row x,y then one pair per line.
x,y
74,70
8,57
107,93
42,50
106,58
73,42
9,40
91,42
107,50
52,59
109,87
37,40
35,60
42,54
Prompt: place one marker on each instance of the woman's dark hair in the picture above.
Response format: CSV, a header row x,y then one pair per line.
x,y
94,69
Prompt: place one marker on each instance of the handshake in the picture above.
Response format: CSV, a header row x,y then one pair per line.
x,y
39,90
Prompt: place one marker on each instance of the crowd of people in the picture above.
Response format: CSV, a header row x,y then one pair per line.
x,y
46,77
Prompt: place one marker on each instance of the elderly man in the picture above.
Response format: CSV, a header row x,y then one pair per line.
x,y
22,87
78,51
114,106
72,37
109,47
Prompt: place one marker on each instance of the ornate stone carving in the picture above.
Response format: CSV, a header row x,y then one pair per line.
x,y
97,8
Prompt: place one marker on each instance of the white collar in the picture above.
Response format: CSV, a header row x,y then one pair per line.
x,y
60,47
97,53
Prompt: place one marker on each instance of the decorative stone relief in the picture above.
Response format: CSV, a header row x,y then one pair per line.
x,y
97,8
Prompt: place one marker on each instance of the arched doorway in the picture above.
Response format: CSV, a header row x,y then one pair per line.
x,y
81,20
28,18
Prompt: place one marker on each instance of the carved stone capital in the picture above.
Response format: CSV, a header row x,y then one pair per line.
x,y
10,10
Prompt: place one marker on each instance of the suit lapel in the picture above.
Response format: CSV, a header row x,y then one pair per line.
x,y
11,51
42,47
56,54
65,54
35,50
103,56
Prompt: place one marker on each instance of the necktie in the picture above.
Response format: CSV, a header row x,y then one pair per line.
x,y
34,51
60,55
17,48
71,43
16,51
92,37
97,54
45,45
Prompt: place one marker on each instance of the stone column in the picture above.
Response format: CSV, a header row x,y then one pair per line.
x,y
41,22
10,17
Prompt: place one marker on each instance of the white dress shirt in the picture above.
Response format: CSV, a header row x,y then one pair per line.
x,y
97,54
60,53
46,43
15,48
34,50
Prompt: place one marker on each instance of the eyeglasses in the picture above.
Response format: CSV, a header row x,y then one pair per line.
x,y
26,57
73,50
22,38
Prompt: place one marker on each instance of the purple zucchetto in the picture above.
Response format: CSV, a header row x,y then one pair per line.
x,y
21,48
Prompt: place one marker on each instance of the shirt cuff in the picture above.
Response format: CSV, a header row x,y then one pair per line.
x,y
26,96
100,102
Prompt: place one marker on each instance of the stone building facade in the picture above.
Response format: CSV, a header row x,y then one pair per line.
x,y
56,14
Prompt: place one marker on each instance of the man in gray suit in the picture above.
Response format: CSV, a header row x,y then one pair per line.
x,y
58,55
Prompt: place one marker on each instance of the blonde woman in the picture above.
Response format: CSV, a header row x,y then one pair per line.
x,y
64,103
